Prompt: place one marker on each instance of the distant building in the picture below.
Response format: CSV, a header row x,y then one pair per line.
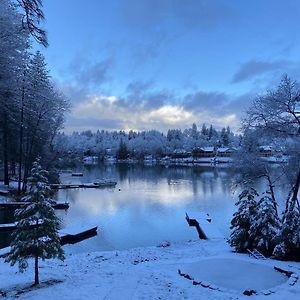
x,y
225,151
204,152
265,151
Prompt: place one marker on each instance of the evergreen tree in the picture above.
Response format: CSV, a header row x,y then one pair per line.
x,y
241,238
266,225
41,241
122,152
289,236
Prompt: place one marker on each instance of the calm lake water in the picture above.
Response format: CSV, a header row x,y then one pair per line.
x,y
148,205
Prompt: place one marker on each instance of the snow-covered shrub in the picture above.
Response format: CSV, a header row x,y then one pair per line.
x,y
289,237
265,226
241,237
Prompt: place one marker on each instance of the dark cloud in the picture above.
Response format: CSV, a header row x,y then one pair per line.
x,y
201,101
255,68
144,96
90,73
217,104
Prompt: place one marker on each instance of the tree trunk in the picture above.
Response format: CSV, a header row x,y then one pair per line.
x,y
36,268
295,191
5,150
271,186
21,140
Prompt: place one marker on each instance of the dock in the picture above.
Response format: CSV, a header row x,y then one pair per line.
x,y
204,225
65,238
77,174
16,205
73,238
195,223
4,193
13,226
98,184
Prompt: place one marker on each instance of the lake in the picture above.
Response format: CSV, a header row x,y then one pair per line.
x,y
148,205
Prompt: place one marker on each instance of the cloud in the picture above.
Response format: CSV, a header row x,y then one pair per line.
x,y
202,101
90,74
144,108
254,68
143,96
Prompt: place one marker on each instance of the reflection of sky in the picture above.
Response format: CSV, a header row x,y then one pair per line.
x,y
148,205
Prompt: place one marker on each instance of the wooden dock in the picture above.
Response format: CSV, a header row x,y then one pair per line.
x,y
73,238
204,225
77,174
195,223
4,193
94,185
16,205
13,226
65,238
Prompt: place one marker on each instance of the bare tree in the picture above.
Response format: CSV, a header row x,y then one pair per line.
x,y
277,114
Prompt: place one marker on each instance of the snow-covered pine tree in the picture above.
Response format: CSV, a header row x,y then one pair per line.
x,y
240,237
41,241
289,236
265,226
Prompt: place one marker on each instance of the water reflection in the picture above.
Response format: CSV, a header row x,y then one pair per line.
x,y
148,205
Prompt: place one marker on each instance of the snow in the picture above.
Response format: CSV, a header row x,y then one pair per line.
x,y
235,274
152,273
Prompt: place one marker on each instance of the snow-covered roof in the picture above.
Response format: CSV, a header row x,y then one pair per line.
x,y
207,149
265,148
223,149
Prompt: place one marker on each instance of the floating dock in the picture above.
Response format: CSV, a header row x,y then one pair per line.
x,y
98,184
4,193
15,205
77,174
13,226
65,238
73,238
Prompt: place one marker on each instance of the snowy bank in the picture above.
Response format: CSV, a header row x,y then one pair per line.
x,y
152,273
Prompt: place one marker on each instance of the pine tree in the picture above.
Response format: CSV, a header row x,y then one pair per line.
x,y
122,152
265,226
241,238
289,236
41,241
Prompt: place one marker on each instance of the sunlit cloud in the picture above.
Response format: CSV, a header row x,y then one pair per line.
x,y
110,113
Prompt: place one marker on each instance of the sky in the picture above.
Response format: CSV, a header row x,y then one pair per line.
x,y
160,64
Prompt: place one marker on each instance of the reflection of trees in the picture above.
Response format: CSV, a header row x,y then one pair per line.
x,y
122,170
202,179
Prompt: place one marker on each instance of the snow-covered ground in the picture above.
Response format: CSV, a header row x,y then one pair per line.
x,y
152,273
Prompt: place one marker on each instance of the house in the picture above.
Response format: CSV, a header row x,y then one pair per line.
x,y
204,152
181,153
265,151
225,151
